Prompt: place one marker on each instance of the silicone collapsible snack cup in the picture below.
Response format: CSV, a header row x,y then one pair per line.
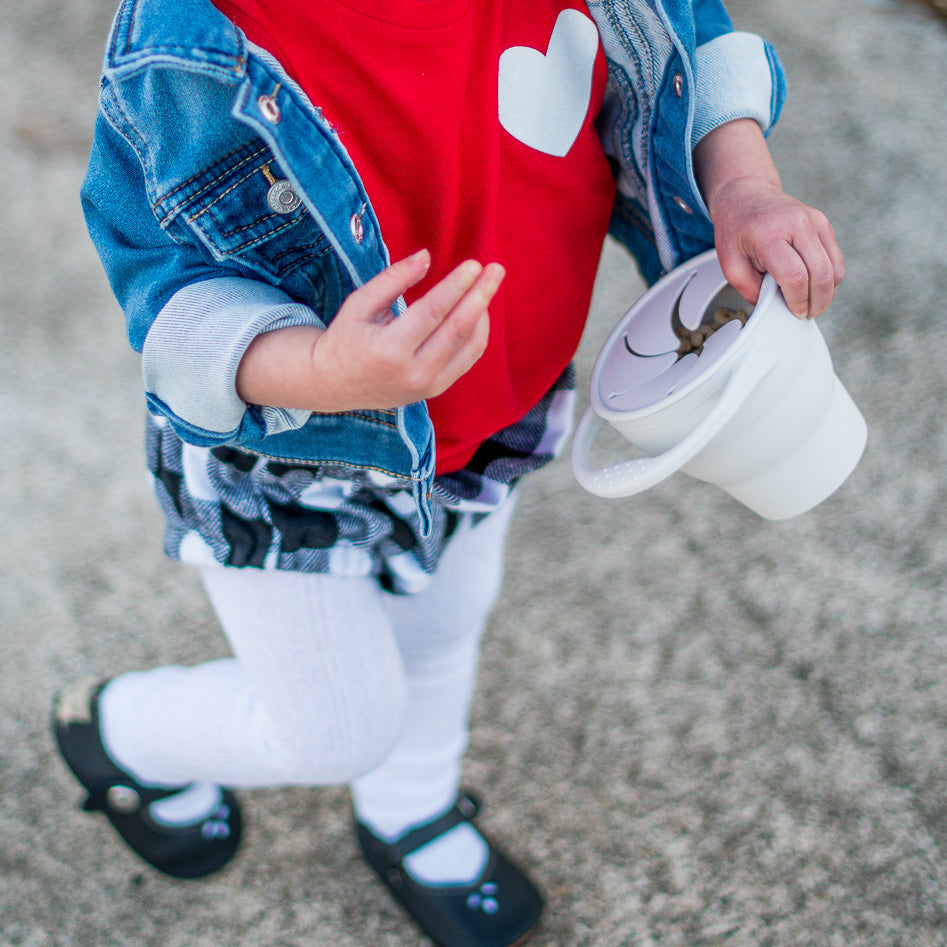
x,y
761,414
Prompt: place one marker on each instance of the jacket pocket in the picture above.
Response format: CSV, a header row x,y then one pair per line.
x,y
245,212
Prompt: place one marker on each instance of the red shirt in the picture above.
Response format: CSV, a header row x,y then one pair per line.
x,y
471,125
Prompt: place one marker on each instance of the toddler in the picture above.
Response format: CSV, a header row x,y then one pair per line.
x,y
336,438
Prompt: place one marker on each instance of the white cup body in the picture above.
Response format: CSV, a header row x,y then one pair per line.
x,y
795,434
796,438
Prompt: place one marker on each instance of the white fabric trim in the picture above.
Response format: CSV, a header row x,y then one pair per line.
x,y
195,551
193,348
734,80
194,464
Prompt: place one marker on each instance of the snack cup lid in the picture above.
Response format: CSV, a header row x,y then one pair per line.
x,y
650,356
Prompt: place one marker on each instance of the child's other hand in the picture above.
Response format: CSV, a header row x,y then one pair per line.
x,y
758,229
366,358
369,359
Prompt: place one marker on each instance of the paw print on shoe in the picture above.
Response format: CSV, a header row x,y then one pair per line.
x,y
217,826
485,899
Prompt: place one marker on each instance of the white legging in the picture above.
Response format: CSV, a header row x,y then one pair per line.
x,y
333,681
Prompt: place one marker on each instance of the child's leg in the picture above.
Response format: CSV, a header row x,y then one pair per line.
x,y
315,695
438,633
460,888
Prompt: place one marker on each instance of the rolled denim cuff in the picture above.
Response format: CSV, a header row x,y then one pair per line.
x,y
194,346
737,77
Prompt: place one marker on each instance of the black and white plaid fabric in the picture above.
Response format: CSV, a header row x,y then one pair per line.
x,y
234,508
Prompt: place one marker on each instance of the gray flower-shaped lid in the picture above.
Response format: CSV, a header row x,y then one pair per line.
x,y
671,336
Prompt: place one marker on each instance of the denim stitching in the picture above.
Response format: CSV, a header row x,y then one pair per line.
x,y
629,213
229,190
300,263
263,236
295,461
137,144
260,150
322,245
131,28
130,135
210,184
371,420
358,414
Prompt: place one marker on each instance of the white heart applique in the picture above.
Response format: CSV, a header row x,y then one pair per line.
x,y
543,99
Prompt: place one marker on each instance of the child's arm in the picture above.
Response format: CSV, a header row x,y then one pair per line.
x,y
368,359
758,228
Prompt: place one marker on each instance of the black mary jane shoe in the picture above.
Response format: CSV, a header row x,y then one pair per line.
x,y
500,909
182,851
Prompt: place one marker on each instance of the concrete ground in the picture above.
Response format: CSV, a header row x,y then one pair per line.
x,y
698,727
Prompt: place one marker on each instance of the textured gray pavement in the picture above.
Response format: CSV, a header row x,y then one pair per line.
x,y
698,727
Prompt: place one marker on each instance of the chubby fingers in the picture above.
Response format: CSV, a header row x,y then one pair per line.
x,y
380,292
742,273
446,317
442,334
808,267
808,270
450,308
836,259
367,358
810,280
461,338
762,230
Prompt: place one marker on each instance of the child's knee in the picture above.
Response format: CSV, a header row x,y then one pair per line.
x,y
333,752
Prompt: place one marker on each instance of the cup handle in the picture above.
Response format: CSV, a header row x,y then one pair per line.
x,y
641,473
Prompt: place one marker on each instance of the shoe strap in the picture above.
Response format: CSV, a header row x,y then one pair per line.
x,y
98,798
465,809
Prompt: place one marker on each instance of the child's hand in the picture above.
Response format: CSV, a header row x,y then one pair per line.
x,y
369,359
758,228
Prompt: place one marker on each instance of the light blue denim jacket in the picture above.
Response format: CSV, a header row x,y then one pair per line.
x,y
224,206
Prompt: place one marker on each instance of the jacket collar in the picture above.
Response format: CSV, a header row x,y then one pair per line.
x,y
194,32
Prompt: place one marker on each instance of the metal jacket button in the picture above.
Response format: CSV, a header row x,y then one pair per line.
x,y
282,198
357,227
684,206
269,108
678,84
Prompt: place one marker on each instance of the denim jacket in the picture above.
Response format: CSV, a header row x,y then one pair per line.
x,y
223,205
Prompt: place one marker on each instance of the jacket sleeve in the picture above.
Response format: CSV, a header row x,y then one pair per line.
x,y
190,316
738,75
